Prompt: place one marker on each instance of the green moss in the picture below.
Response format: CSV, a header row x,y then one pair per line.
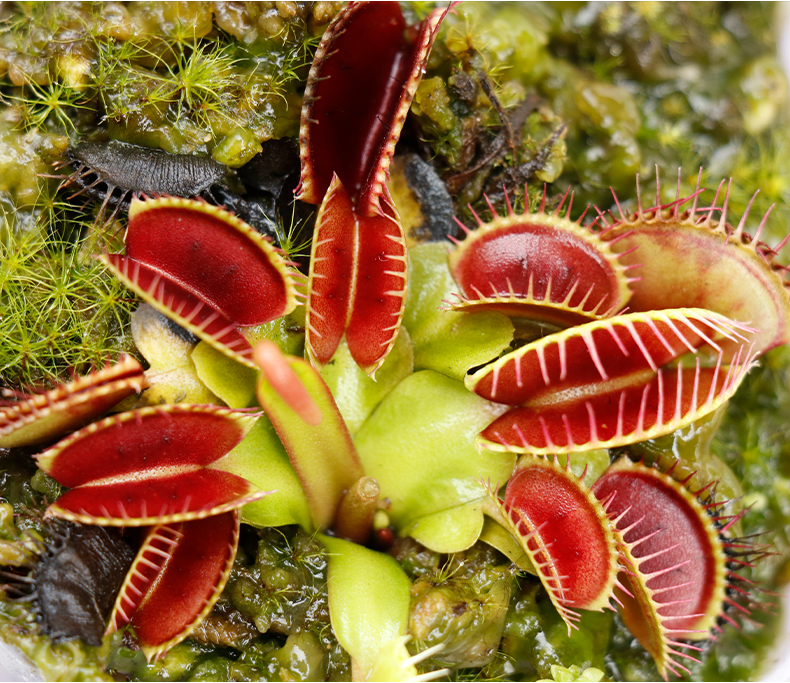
x,y
236,148
159,74
638,85
58,310
462,606
283,589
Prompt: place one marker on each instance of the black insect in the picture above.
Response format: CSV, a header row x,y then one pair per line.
x,y
269,180
113,171
73,583
431,195
260,193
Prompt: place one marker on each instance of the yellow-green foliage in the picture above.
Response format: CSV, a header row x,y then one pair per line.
x,y
59,308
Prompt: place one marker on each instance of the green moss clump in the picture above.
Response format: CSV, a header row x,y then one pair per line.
x,y
177,76
463,607
59,310
636,85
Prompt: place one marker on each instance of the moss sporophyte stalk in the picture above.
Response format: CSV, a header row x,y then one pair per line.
x,y
393,341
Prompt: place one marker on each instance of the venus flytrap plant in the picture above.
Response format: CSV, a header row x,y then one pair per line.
x,y
120,479
204,370
448,342
191,472
299,406
356,393
419,446
610,382
396,663
180,571
561,674
150,467
296,399
555,416
305,419
171,374
279,378
677,573
618,381
366,308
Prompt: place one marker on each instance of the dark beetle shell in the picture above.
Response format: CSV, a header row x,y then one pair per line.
x,y
77,579
268,204
430,191
113,171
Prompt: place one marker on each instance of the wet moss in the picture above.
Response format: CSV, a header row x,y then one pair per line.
x,y
637,85
176,76
462,606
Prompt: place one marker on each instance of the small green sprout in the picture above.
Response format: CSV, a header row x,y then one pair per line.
x,y
54,102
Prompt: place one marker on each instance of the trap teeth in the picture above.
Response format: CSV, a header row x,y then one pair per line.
x,y
674,560
208,270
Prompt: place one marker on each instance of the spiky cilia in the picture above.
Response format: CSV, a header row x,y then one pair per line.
x,y
713,264
673,545
659,549
149,466
175,580
40,418
357,283
358,268
564,531
206,269
350,131
602,384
